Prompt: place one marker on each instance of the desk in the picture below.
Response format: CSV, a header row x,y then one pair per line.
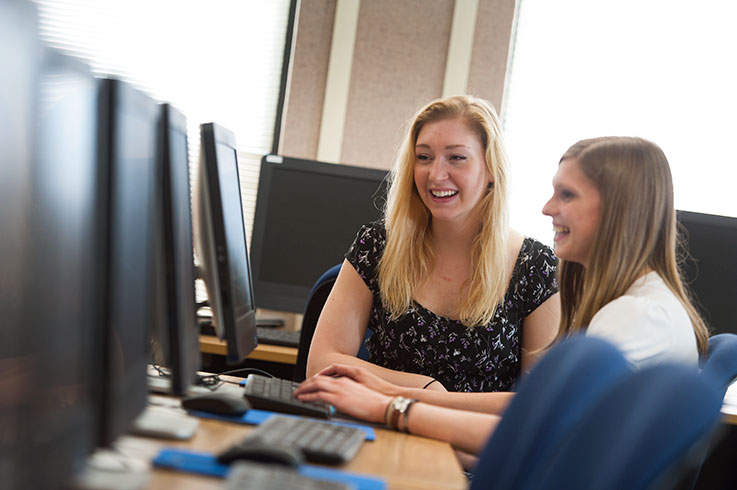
x,y
406,462
210,344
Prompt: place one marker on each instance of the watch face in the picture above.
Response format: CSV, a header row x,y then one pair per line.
x,y
400,404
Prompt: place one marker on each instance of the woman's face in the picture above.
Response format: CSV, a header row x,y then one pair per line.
x,y
576,210
450,170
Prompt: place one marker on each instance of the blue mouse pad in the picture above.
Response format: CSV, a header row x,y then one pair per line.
x,y
255,417
207,464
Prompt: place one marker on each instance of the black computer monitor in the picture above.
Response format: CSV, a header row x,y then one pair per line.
x,y
61,290
710,268
220,240
176,332
128,126
307,215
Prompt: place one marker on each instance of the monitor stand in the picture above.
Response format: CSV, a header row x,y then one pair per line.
x,y
106,470
164,423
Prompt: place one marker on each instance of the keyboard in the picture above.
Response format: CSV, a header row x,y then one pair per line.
x,y
277,336
321,442
246,475
275,394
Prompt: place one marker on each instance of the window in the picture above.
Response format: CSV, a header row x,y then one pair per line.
x,y
659,69
215,61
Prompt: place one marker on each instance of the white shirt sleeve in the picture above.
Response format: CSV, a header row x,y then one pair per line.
x,y
640,328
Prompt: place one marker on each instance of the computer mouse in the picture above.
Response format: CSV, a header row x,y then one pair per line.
x,y
220,403
255,450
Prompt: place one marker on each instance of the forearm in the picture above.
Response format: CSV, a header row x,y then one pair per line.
x,y
466,431
490,403
399,378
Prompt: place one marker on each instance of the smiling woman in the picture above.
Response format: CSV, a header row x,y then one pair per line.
x,y
456,300
613,210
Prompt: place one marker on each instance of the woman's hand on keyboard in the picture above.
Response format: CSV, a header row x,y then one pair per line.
x,y
372,381
346,395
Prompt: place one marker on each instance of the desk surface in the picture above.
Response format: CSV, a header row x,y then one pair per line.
x,y
404,461
210,344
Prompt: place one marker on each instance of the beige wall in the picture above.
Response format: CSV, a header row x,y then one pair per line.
x,y
399,63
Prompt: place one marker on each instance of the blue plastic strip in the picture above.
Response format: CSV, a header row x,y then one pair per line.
x,y
206,464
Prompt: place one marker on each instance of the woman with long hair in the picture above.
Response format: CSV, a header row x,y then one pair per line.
x,y
615,235
455,299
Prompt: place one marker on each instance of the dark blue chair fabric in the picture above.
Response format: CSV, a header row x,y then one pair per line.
x,y
720,363
550,400
315,301
636,434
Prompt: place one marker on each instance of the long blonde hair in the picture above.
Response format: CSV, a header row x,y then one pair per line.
x,y
409,249
637,230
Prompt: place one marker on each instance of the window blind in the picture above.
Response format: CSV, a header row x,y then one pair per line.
x,y
215,61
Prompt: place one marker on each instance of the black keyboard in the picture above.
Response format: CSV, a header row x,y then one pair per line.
x,y
321,442
247,475
277,336
275,394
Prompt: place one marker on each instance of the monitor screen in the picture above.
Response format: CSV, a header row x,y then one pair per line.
x,y
128,127
307,215
220,239
175,331
710,268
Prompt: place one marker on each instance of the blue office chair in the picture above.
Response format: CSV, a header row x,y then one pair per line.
x,y
641,434
559,390
315,301
720,363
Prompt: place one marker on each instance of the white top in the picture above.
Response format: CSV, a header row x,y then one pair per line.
x,y
648,324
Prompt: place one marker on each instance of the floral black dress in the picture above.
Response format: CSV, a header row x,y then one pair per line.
x,y
483,358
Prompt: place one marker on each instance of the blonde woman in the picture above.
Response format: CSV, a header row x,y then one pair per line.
x,y
615,233
456,300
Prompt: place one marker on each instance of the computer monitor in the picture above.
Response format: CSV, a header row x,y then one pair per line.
x,y
710,268
176,332
128,126
61,289
307,215
220,241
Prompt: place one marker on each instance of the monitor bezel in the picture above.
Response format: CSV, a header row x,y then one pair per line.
x,y
213,250
176,329
124,397
689,265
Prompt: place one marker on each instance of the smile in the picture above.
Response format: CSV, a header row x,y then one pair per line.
x,y
443,193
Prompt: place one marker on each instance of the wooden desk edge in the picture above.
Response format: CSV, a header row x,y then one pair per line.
x,y
210,344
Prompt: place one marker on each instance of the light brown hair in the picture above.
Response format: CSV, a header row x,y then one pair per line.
x,y
637,230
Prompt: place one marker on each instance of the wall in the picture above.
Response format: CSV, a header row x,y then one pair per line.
x,y
399,62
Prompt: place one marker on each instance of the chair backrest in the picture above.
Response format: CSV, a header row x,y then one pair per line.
x,y
636,433
315,301
720,362
559,391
